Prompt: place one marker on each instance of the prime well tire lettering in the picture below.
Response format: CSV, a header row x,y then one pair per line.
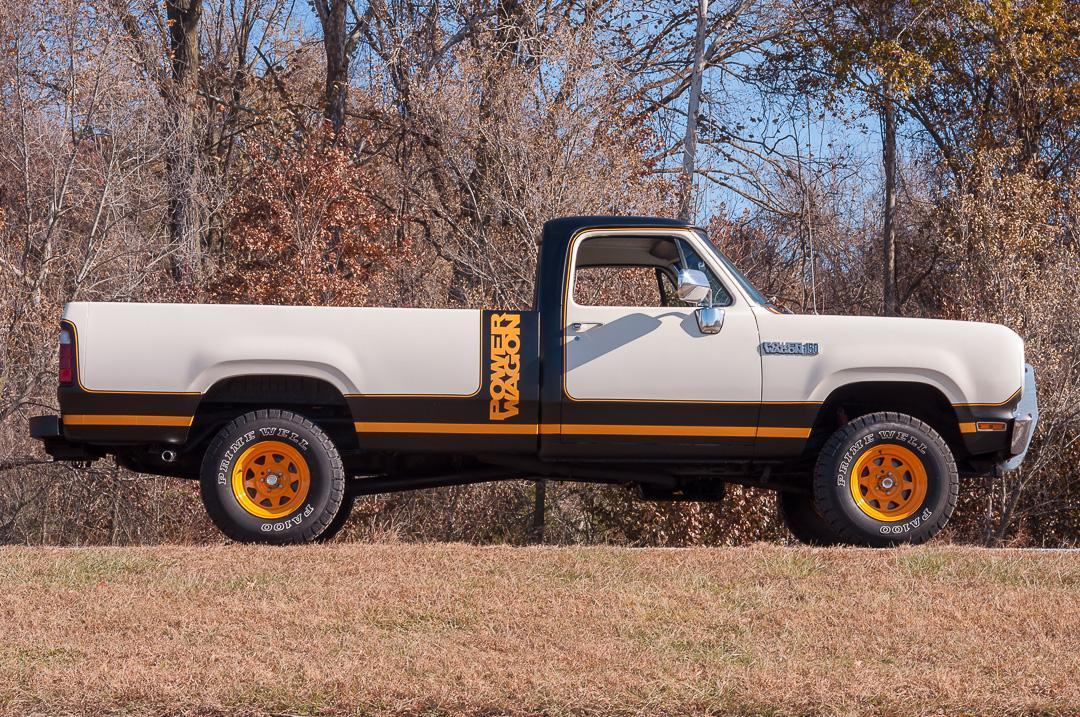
x,y
233,450
837,491
274,434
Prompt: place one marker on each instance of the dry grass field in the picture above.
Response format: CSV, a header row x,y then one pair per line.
x,y
356,629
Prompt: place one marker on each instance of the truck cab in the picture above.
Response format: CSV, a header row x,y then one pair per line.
x,y
648,360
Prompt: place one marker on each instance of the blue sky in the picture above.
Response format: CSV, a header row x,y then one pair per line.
x,y
814,133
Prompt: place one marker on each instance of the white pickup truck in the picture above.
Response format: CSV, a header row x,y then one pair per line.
x,y
285,414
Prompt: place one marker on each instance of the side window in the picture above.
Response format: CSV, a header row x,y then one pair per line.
x,y
617,286
667,291
721,297
637,271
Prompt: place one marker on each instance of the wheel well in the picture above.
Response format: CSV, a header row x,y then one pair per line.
x,y
315,399
919,400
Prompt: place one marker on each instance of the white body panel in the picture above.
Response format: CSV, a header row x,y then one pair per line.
x,y
632,354
189,347
968,362
658,354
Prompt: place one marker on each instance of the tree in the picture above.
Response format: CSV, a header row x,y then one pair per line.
x,y
243,88
340,40
302,226
173,66
668,50
693,110
854,49
185,224
998,75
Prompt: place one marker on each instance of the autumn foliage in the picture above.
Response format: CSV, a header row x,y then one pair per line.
x,y
408,154
302,226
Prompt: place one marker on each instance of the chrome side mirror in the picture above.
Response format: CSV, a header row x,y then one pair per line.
x,y
710,319
693,286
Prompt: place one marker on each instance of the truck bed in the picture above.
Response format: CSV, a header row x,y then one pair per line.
x,y
163,348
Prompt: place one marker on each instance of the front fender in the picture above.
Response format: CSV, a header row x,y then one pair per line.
x,y
967,362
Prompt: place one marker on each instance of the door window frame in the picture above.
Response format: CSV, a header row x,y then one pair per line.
x,y
733,288
738,298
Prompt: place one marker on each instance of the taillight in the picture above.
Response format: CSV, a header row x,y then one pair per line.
x,y
67,357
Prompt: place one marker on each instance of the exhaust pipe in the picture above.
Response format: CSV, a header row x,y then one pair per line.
x,y
168,456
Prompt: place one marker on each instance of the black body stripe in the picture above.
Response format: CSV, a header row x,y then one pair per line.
x,y
75,400
465,409
986,442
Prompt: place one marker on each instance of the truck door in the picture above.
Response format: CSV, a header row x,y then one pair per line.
x,y
638,372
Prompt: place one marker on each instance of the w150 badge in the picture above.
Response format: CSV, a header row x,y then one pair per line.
x,y
504,390
790,348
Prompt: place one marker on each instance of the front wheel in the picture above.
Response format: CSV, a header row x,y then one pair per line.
x,y
272,476
803,520
885,479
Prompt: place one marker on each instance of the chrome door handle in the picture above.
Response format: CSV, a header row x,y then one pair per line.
x,y
579,325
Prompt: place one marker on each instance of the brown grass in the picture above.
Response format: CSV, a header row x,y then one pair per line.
x,y
454,629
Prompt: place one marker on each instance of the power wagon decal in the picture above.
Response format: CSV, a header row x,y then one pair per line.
x,y
504,386
502,415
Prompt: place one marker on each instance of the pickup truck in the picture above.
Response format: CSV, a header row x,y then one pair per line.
x,y
648,360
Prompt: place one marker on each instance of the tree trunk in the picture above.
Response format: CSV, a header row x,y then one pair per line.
x,y
689,160
888,240
180,97
337,66
183,17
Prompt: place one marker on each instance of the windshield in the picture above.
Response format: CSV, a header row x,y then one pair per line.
x,y
756,296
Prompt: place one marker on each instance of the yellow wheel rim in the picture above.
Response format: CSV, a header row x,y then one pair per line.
x,y
889,483
271,479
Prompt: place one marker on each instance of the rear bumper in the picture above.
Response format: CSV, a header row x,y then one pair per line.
x,y
1025,418
50,431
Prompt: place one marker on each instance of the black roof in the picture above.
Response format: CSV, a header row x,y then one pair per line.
x,y
566,227
558,232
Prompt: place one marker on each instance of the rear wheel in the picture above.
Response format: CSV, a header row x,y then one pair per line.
x,y
885,479
272,476
802,518
341,518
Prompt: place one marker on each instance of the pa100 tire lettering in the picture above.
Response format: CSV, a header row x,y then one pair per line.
x,y
286,524
906,527
884,479
273,476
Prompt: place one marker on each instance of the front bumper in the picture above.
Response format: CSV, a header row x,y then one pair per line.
x,y
50,431
1025,418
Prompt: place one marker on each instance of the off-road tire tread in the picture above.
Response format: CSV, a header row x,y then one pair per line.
x,y
312,530
812,530
823,477
340,519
